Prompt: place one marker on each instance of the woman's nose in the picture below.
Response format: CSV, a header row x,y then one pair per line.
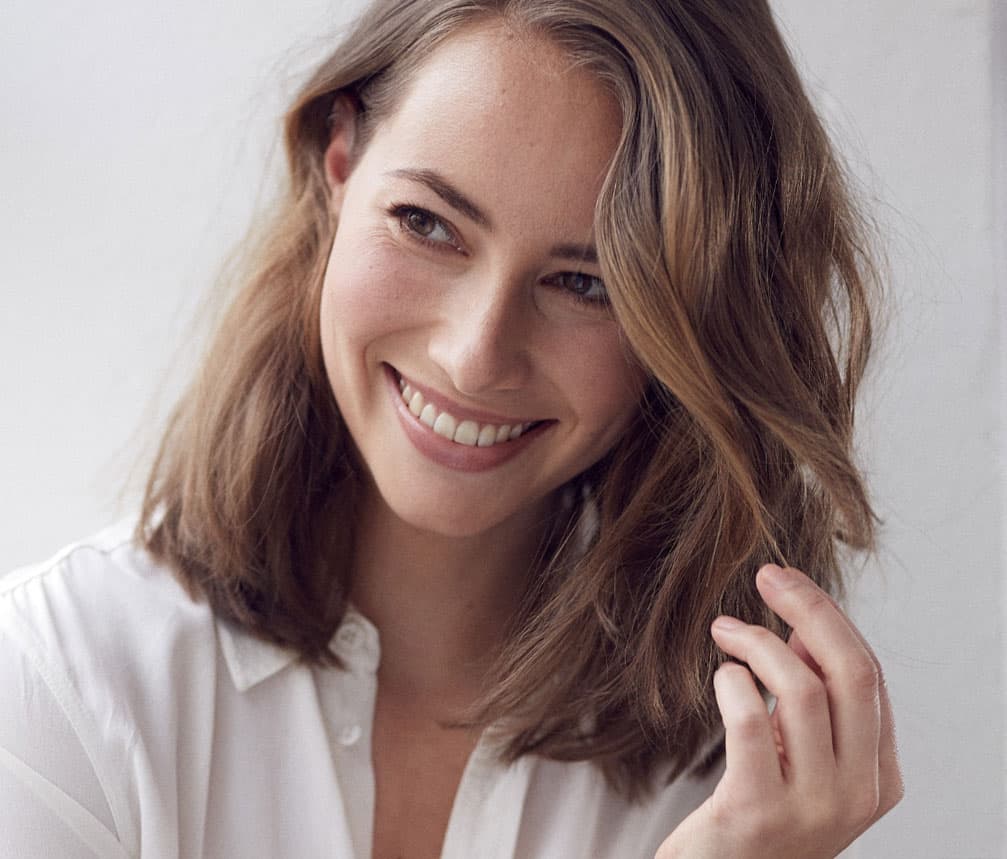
x,y
482,339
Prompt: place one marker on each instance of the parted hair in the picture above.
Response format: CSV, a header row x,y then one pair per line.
x,y
739,269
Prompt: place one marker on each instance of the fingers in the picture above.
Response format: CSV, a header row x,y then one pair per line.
x,y
749,743
890,786
827,755
862,723
849,668
802,711
801,650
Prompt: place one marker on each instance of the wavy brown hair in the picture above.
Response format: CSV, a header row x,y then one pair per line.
x,y
738,270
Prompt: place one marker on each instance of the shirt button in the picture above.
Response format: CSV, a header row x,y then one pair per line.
x,y
350,635
349,734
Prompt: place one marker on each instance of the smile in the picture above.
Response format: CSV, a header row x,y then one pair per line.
x,y
467,432
457,437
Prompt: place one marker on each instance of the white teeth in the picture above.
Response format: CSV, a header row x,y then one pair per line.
x,y
445,425
428,415
466,432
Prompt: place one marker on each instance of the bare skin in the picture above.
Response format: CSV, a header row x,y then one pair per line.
x,y
441,615
418,766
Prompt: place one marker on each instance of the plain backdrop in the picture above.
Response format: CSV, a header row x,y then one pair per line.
x,y
133,136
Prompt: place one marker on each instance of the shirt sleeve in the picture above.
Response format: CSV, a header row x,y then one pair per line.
x,y
51,800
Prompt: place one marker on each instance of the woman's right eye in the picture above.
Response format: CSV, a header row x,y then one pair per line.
x,y
425,227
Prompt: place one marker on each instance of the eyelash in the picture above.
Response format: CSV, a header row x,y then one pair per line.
x,y
402,211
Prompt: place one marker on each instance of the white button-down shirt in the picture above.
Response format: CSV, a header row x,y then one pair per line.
x,y
135,723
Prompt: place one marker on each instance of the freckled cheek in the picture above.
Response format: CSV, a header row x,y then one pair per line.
x,y
369,294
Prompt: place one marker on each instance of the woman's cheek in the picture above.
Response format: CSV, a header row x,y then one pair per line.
x,y
609,381
375,289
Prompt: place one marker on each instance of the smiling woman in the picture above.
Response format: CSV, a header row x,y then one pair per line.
x,y
553,344
459,292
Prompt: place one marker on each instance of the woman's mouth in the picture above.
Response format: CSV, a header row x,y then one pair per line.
x,y
461,431
456,437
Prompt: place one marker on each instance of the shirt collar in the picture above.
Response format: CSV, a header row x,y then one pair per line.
x,y
250,660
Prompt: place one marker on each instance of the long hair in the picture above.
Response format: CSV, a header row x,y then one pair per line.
x,y
739,272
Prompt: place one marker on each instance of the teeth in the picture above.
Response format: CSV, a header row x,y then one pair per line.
x,y
445,425
467,432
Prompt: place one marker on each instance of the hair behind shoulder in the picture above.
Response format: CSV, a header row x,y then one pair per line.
x,y
738,269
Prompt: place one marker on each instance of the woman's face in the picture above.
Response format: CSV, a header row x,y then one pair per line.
x,y
463,271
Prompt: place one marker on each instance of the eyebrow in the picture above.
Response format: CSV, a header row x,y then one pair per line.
x,y
577,253
447,192
458,201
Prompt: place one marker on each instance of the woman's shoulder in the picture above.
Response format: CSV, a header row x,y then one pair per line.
x,y
112,667
114,549
103,612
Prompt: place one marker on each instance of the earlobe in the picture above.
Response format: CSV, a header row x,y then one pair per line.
x,y
340,152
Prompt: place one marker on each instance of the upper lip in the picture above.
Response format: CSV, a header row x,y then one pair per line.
x,y
443,404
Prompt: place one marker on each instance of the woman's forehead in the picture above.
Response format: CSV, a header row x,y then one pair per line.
x,y
507,113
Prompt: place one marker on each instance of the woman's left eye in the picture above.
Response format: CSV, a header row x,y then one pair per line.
x,y
424,226
583,287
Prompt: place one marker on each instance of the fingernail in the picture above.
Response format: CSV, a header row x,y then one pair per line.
x,y
724,622
778,577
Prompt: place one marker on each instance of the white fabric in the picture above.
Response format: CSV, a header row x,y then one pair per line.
x,y
136,724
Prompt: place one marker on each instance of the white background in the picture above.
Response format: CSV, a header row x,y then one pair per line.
x,y
132,138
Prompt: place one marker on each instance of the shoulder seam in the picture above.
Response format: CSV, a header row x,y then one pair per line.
x,y
18,578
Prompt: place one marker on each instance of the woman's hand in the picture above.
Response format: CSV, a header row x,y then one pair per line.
x,y
807,780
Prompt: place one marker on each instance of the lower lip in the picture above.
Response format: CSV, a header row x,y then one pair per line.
x,y
459,457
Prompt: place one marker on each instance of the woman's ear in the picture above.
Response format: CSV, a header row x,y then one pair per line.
x,y
340,153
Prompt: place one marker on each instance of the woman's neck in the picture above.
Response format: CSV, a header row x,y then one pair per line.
x,y
441,604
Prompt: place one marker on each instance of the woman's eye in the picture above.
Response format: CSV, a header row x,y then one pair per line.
x,y
424,226
583,287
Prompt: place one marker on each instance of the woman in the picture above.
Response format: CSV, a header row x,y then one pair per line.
x,y
552,345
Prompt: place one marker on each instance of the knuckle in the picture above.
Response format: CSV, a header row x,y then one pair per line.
x,y
749,725
759,635
863,676
761,640
809,695
816,601
820,816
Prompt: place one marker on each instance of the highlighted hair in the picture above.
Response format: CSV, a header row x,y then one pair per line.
x,y
738,270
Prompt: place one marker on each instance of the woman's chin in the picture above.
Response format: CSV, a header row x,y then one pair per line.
x,y
461,518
